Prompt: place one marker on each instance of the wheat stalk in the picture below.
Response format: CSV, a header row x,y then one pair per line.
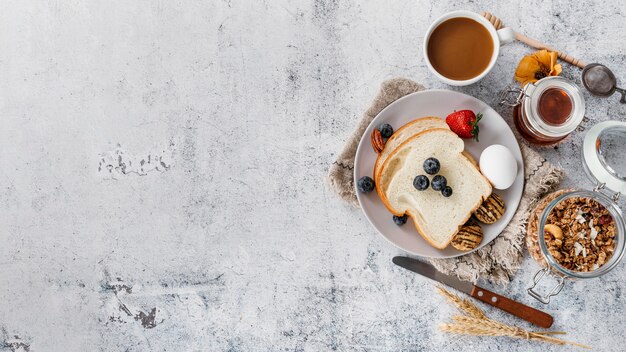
x,y
476,323
463,304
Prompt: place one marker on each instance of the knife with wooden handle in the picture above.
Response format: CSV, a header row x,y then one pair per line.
x,y
508,305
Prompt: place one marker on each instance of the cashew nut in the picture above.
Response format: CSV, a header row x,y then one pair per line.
x,y
554,231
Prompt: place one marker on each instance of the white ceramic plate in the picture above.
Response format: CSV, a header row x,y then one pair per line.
x,y
493,130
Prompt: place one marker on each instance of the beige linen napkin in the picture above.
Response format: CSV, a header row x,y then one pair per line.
x,y
496,261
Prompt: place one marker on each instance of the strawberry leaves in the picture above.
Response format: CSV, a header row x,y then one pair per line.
x,y
474,125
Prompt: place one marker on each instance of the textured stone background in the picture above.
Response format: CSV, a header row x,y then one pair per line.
x,y
161,169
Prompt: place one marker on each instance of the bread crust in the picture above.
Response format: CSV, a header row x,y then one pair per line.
x,y
385,201
377,165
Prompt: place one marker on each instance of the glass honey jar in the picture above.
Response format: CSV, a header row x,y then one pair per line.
x,y
547,111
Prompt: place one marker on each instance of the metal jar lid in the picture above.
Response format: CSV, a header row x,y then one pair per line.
x,y
530,103
604,156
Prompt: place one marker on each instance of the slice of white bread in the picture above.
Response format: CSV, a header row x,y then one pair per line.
x,y
402,134
436,217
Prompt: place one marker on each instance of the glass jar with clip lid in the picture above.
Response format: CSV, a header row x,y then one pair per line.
x,y
580,234
547,111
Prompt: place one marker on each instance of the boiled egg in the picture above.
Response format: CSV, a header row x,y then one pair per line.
x,y
499,166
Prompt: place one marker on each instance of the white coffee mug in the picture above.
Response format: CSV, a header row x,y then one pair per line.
x,y
499,37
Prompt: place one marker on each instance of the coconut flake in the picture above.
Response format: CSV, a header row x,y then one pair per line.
x,y
579,216
593,234
581,234
577,249
584,252
595,266
591,223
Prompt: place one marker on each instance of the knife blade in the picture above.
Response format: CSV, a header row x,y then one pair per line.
x,y
508,305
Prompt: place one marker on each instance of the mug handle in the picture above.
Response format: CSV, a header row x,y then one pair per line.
x,y
505,35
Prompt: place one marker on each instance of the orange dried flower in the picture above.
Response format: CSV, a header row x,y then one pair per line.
x,y
537,66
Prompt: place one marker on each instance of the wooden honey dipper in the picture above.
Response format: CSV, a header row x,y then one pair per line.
x,y
497,23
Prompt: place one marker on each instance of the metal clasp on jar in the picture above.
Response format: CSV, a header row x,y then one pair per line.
x,y
545,299
512,96
600,186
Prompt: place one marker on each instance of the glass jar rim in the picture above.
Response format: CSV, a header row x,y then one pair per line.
x,y
619,241
597,168
530,105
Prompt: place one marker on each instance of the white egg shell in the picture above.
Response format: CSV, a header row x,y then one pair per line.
x,y
498,165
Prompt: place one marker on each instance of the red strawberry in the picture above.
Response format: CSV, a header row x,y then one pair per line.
x,y
464,123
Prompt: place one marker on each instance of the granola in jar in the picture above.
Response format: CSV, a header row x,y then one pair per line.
x,y
580,234
532,239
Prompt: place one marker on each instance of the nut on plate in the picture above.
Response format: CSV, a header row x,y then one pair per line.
x,y
377,141
491,210
469,237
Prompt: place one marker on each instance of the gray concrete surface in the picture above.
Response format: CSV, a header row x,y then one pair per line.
x,y
161,169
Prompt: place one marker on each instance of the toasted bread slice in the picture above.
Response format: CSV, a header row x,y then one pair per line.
x,y
436,217
402,134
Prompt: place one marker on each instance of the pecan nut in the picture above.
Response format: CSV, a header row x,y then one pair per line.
x,y
377,141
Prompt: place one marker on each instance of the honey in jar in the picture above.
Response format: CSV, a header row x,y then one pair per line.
x,y
548,110
555,106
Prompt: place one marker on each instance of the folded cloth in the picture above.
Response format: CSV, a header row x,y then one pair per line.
x,y
498,260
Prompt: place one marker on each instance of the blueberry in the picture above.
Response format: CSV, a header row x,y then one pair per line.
x,y
439,182
446,191
431,166
400,220
365,184
385,130
421,182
